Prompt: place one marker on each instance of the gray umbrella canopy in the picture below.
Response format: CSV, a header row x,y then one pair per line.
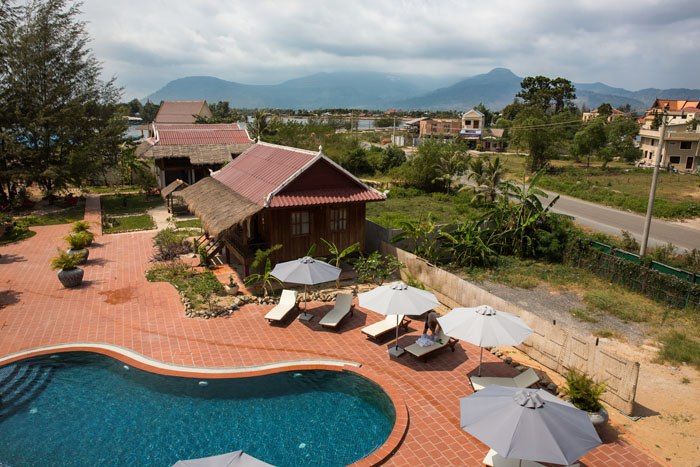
x,y
528,424
230,459
485,327
305,271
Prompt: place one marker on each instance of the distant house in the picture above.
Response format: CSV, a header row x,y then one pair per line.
x,y
593,114
189,151
440,127
492,139
182,111
681,149
274,194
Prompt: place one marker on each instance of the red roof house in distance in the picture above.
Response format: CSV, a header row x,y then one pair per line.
x,y
189,151
182,111
274,194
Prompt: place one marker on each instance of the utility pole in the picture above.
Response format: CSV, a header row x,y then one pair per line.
x,y
393,132
652,190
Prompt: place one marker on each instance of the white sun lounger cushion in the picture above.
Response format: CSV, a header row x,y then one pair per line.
x,y
288,301
523,380
342,307
383,326
492,459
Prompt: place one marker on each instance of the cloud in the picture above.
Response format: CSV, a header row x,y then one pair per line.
x,y
629,43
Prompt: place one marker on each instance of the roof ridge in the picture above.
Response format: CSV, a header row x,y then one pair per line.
x,y
290,148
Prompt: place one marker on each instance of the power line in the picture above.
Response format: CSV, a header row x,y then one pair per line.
x,y
544,125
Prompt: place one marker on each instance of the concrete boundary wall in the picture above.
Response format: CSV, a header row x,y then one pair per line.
x,y
551,345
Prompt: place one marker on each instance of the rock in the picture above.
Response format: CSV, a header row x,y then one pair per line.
x,y
508,360
551,387
494,350
520,368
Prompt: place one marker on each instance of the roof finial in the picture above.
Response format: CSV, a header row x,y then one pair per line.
x,y
320,148
257,140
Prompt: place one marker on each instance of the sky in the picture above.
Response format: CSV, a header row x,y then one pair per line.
x,y
627,43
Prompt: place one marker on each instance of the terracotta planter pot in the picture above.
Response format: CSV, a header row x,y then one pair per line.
x,y
71,277
85,252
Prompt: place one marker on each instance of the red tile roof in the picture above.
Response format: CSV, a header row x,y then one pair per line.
x,y
181,111
189,126
264,169
201,134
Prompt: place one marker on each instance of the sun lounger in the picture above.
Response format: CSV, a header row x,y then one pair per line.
x,y
423,353
493,459
383,327
523,380
288,302
342,308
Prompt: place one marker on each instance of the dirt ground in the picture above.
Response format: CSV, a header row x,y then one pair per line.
x,y
667,416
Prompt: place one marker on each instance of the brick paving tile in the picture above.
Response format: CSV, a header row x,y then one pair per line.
x,y
117,305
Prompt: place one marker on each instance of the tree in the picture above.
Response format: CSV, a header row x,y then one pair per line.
x,y
393,157
259,127
135,107
58,124
357,162
605,110
487,176
543,93
149,111
620,134
262,263
448,167
221,113
590,139
530,131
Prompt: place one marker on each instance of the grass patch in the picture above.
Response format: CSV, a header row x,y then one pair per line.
x,y
129,203
446,209
128,223
620,303
189,224
619,185
584,314
605,333
198,287
677,347
16,235
110,189
60,216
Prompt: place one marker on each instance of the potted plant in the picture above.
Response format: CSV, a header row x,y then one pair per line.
x,y
84,226
69,273
231,288
78,242
584,393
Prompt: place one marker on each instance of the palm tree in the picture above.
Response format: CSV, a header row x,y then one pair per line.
x,y
337,255
448,167
259,126
487,176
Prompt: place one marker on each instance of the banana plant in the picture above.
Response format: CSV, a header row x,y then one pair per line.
x,y
337,255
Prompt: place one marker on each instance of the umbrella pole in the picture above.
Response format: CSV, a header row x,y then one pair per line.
x,y
397,333
481,356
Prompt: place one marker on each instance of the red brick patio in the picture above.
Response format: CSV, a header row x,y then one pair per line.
x,y
117,305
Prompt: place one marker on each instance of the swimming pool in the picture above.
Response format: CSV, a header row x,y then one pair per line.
x,y
82,408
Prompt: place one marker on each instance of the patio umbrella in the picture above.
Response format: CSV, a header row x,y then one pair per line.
x,y
528,424
397,299
306,271
485,327
230,459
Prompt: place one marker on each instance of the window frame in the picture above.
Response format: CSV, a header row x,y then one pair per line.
x,y
297,225
689,143
338,219
671,159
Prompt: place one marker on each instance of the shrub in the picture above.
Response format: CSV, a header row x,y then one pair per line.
x,y
66,261
376,267
198,287
628,242
169,245
78,240
81,226
582,391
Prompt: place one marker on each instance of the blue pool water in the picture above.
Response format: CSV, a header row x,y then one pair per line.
x,y
85,409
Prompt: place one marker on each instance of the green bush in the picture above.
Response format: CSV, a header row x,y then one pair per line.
x,y
582,391
170,244
66,261
79,240
376,268
198,287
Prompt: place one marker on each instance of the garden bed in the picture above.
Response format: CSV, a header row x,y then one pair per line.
x,y
121,224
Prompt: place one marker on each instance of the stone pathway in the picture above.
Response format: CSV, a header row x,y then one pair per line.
x,y
161,216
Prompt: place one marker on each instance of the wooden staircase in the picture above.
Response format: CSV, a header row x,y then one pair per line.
x,y
210,248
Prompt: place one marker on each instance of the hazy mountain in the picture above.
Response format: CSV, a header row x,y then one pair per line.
x,y
321,90
371,90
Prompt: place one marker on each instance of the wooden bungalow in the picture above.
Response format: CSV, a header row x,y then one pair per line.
x,y
189,152
274,194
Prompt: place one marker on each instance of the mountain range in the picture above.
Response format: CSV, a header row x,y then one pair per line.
x,y
372,90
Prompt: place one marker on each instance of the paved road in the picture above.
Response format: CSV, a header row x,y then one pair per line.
x,y
612,221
